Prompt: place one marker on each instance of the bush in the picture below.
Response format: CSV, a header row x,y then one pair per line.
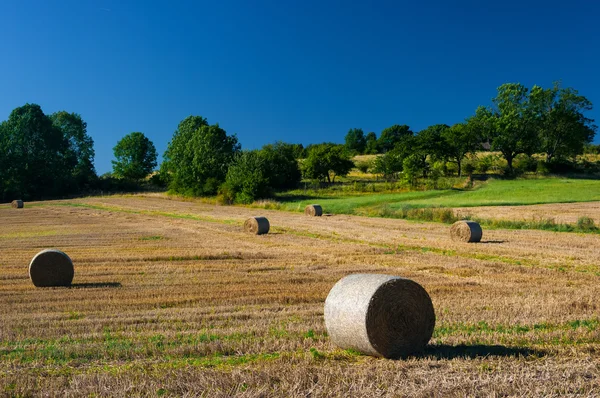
x,y
364,166
246,179
585,223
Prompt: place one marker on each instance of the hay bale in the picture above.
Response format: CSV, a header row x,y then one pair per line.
x,y
17,204
51,268
313,210
379,315
257,225
466,231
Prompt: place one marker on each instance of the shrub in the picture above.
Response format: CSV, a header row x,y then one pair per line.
x,y
246,179
364,166
585,223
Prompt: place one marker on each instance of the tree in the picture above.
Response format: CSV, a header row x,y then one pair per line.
x,y
135,157
356,141
428,143
327,161
563,129
371,145
509,123
458,141
389,164
198,156
391,136
246,178
34,158
412,168
80,149
281,166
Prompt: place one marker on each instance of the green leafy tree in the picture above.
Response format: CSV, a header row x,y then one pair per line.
x,y
135,157
458,141
412,167
427,144
510,123
562,127
246,178
392,136
326,162
34,159
389,164
80,150
371,144
356,141
281,166
198,156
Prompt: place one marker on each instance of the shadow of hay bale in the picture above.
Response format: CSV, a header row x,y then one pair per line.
x,y
95,285
444,351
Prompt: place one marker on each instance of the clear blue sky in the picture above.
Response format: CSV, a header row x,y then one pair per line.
x,y
298,71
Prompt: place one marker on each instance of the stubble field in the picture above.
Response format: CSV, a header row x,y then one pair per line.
x,y
172,298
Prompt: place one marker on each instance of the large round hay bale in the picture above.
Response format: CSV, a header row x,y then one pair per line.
x,y
51,268
257,225
17,204
379,315
466,231
313,210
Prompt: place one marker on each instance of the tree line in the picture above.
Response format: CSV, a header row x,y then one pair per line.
x,y
520,121
44,156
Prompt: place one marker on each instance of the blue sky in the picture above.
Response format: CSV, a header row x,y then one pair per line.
x,y
298,71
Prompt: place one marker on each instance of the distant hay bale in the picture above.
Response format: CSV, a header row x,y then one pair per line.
x,y
466,231
51,268
313,210
379,315
257,225
17,204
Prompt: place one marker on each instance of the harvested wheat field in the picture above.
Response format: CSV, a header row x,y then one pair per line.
x,y
559,212
173,298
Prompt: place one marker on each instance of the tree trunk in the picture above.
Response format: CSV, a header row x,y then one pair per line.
x,y
509,161
459,167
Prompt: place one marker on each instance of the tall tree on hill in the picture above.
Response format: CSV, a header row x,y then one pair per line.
x,y
510,123
33,155
371,145
562,127
427,144
326,162
135,157
80,147
391,136
198,156
458,141
356,141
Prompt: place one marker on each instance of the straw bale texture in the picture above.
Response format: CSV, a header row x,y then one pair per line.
x,y
257,225
466,231
51,268
313,210
17,204
379,315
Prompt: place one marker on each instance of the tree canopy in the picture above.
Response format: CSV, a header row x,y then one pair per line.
x,y
135,157
198,156
356,141
43,156
326,162
392,136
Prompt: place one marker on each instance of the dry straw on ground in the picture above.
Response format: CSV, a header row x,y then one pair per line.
x,y
466,231
51,268
313,210
17,204
380,315
257,225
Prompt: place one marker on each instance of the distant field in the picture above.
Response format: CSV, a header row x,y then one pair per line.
x,y
491,193
171,298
